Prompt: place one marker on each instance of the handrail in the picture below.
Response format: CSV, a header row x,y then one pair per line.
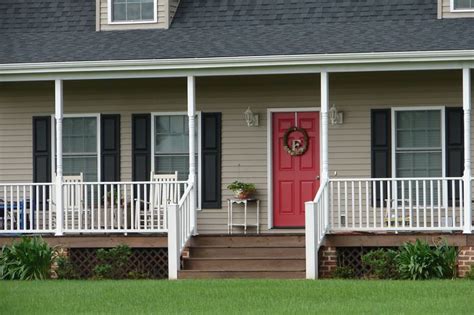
x,y
322,187
316,228
392,179
181,227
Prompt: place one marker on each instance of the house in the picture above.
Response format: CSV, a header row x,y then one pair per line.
x,y
352,118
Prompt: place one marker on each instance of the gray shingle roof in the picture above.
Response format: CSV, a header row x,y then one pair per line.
x,y
64,30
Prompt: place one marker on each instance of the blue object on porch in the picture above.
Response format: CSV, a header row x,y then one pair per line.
x,y
16,206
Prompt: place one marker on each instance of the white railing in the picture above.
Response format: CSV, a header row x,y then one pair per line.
x,y
27,208
119,207
396,204
181,228
316,228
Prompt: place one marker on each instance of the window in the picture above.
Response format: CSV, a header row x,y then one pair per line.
x,y
418,144
462,5
129,11
80,147
171,145
170,134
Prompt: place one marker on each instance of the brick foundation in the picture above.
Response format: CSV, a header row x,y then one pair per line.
x,y
327,261
465,260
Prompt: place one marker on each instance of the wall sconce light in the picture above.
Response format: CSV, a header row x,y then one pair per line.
x,y
335,117
250,118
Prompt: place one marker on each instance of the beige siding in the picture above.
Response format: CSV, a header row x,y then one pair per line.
x,y
162,18
445,7
173,8
244,149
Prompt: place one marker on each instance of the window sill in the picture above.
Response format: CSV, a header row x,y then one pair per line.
x,y
132,22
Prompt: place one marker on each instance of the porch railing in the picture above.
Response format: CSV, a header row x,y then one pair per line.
x,y
396,204
112,207
26,208
182,226
316,228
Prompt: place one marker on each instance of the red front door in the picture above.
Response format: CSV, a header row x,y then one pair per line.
x,y
295,178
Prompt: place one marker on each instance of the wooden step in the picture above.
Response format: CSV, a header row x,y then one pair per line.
x,y
246,252
260,274
245,264
249,241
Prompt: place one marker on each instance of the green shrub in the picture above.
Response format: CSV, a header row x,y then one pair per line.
x,y
65,269
343,273
30,259
382,263
112,262
420,261
470,274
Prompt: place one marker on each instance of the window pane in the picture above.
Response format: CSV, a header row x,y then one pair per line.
x,y
147,11
418,129
419,164
75,165
463,4
133,11
119,12
80,147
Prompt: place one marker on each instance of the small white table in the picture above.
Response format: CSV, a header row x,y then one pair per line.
x,y
245,224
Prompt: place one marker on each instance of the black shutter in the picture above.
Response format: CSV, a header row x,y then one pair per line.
x,y
454,142
381,134
454,145
141,147
42,149
110,148
211,160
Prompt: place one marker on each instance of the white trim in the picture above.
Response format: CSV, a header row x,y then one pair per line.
x,y
452,9
199,150
111,22
252,65
270,112
99,136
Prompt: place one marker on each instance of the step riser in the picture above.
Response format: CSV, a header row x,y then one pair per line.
x,y
245,265
241,275
246,252
249,241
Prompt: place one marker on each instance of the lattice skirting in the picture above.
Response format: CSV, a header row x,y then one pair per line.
x,y
150,261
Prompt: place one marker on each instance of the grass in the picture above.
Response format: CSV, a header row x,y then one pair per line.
x,y
237,297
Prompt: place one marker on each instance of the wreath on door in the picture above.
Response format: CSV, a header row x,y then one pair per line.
x,y
297,148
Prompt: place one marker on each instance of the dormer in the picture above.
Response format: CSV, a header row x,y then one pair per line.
x,y
448,9
134,14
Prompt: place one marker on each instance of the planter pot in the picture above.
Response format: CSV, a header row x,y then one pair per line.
x,y
242,194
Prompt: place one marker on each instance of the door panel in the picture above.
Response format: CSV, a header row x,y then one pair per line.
x,y
295,178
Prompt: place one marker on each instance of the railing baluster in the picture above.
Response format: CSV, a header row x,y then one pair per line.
x,y
461,207
417,187
431,201
453,202
410,203
339,206
367,200
389,203
440,192
424,203
382,183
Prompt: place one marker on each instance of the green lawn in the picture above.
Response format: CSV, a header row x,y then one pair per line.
x,y
237,296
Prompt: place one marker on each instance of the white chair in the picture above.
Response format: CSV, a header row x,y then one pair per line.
x,y
73,201
163,190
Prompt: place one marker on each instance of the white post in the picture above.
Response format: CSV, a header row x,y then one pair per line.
x,y
192,148
310,240
173,249
466,80
324,125
325,139
58,89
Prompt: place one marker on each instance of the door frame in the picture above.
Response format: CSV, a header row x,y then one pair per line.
x,y
270,112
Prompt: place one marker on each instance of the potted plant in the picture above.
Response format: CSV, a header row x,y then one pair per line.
x,y
242,190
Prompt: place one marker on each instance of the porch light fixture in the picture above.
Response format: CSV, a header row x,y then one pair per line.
x,y
250,118
335,117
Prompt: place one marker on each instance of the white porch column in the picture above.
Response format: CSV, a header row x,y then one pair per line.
x,y
192,146
324,125
58,89
466,88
